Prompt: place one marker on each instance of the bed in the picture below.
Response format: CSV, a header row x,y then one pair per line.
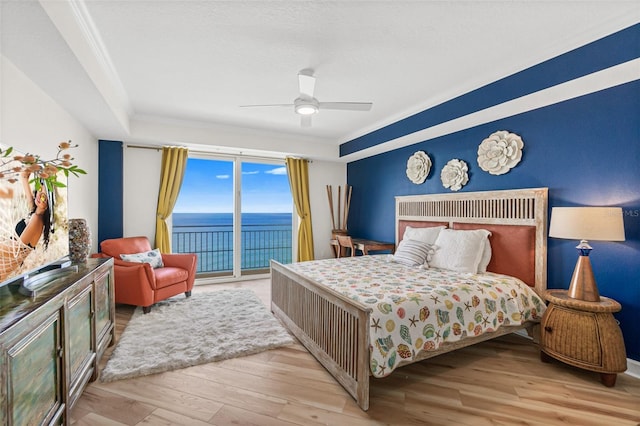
x,y
341,329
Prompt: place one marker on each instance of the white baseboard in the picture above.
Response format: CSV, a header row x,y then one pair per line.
x,y
633,368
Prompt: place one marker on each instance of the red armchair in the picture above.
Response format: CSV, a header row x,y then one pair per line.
x,y
141,285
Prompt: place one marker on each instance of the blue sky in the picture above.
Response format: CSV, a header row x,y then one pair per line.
x,y
208,188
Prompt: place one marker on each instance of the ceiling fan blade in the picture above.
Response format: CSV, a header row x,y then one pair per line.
x,y
347,106
268,105
306,82
305,120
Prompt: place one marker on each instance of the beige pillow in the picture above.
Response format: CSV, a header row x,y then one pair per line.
x,y
459,250
426,235
486,256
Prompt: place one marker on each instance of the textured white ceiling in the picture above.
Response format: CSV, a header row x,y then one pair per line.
x,y
198,61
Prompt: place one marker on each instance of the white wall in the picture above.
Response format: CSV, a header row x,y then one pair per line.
x,y
31,121
231,139
141,186
321,174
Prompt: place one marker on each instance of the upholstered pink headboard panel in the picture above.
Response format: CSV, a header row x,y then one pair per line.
x,y
513,249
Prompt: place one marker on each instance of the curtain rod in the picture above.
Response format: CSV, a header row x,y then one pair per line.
x,y
159,148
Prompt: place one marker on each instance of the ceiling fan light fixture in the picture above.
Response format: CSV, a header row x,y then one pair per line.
x,y
306,105
306,109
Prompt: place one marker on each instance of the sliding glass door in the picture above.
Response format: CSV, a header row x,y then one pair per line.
x,y
235,213
202,220
265,206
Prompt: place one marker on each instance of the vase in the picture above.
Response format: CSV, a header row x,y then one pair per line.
x,y
79,240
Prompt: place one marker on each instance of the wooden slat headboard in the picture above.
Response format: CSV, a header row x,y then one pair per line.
x,y
522,212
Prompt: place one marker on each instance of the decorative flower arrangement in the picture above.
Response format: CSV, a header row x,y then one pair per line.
x,y
418,167
41,170
454,174
500,152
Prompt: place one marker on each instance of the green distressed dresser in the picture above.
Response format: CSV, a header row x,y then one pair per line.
x,y
51,343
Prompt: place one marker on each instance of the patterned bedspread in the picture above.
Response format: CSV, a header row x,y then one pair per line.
x,y
417,309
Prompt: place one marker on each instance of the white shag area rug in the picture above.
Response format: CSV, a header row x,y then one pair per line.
x,y
181,332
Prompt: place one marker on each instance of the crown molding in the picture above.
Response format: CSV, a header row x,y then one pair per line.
x,y
94,40
74,23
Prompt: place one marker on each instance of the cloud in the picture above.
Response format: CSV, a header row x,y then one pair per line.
x,y
255,172
277,171
222,176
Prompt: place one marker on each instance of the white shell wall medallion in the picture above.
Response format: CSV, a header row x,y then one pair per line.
x,y
418,167
454,174
500,152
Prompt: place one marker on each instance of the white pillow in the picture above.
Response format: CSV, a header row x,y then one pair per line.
x,y
153,257
459,250
426,235
486,257
412,253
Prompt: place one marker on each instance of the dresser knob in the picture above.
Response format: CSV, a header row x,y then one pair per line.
x,y
548,329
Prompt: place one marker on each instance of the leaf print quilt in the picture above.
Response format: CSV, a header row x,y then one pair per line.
x,y
417,309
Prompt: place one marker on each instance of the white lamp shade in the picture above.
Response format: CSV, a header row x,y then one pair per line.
x,y
587,223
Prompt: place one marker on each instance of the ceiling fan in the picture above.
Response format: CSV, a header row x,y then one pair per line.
x,y
307,105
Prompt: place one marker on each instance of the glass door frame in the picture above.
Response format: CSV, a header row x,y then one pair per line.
x,y
237,161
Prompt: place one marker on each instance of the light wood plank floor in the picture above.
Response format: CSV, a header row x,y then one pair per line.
x,y
500,382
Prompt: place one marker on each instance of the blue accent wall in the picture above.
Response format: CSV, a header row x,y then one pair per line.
x,y
110,190
586,150
612,50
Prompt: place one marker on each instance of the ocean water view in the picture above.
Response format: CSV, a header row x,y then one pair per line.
x,y
264,236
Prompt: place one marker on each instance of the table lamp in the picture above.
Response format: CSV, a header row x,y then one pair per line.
x,y
586,223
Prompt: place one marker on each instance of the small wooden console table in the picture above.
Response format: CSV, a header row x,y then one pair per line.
x,y
365,246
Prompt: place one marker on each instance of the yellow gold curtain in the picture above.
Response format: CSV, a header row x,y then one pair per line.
x,y
174,163
298,172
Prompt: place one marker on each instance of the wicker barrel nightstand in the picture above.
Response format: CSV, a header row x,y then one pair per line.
x,y
583,334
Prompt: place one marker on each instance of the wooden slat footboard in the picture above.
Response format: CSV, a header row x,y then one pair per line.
x,y
332,327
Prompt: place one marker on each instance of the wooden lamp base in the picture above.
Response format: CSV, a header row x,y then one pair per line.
x,y
583,283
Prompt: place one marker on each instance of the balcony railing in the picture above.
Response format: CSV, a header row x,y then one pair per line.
x,y
214,246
